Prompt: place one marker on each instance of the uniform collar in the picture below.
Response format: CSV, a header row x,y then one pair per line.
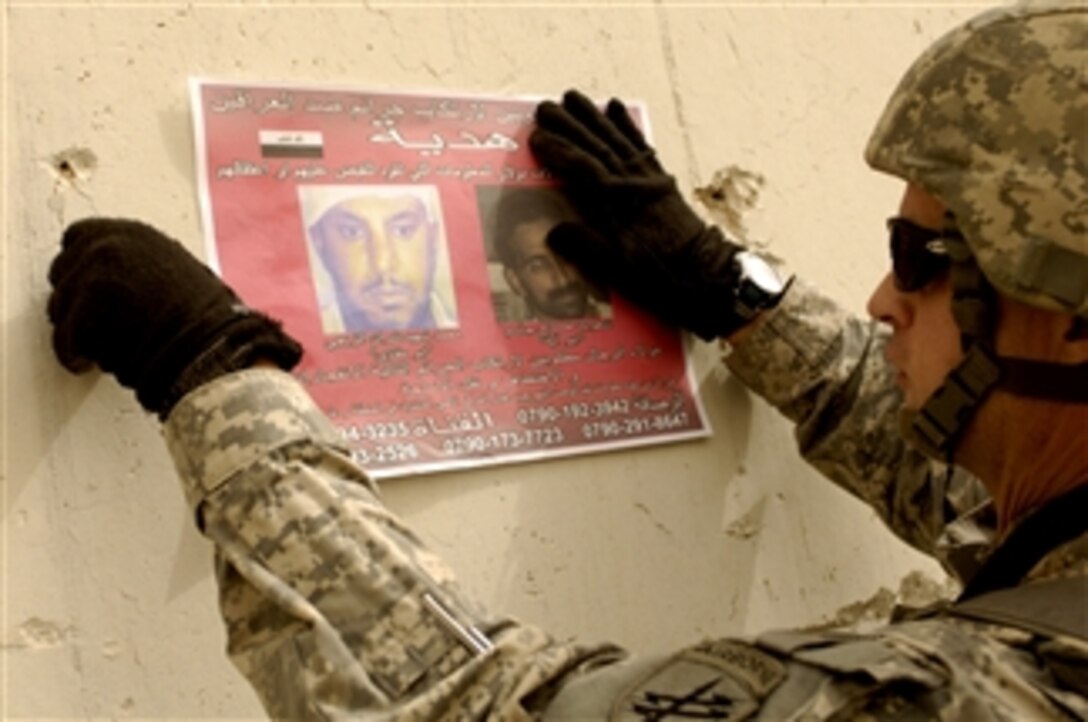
x,y
1044,530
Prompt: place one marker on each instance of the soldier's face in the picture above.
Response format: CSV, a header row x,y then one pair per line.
x,y
925,343
551,286
379,252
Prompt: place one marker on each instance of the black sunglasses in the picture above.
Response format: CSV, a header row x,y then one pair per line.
x,y
919,254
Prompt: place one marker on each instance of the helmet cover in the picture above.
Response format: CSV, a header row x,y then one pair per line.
x,y
992,120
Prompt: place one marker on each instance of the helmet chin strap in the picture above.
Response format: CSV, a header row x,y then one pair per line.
x,y
936,428
1045,380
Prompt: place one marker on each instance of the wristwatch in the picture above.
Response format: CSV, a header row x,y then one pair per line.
x,y
759,286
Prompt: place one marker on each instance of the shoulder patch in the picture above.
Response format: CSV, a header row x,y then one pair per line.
x,y
717,680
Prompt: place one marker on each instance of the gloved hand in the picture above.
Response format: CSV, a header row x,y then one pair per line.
x,y
640,237
137,304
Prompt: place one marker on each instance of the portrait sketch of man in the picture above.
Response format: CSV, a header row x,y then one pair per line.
x,y
378,257
533,284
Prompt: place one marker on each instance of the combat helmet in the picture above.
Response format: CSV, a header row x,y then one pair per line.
x,y
992,120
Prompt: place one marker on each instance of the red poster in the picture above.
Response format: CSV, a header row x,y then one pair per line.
x,y
400,238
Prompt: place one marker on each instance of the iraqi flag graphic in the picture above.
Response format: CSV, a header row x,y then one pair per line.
x,y
292,144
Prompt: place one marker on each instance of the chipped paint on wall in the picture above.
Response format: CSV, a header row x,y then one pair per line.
x,y
36,633
730,194
916,590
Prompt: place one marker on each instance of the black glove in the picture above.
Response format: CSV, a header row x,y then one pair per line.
x,y
141,307
640,237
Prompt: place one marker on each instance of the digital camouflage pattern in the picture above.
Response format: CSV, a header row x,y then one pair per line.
x,y
825,370
1003,101
321,586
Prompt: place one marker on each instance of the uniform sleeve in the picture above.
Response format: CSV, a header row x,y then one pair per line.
x,y
332,606
825,370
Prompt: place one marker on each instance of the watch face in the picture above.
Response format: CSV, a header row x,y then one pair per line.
x,y
751,297
761,273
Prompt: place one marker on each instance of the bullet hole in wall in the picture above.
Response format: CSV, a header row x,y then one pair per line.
x,y
71,170
73,166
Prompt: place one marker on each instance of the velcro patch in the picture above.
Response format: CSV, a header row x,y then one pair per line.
x,y
718,680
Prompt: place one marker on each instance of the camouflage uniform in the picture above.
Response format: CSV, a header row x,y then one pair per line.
x,y
322,589
825,370
334,609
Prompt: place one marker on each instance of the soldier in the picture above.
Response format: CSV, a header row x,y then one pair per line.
x,y
335,610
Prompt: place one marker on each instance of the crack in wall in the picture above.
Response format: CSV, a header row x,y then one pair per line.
x,y
668,50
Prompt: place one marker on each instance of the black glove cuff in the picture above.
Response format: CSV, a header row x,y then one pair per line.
x,y
245,340
710,312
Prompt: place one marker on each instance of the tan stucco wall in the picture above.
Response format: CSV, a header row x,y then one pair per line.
x,y
109,608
